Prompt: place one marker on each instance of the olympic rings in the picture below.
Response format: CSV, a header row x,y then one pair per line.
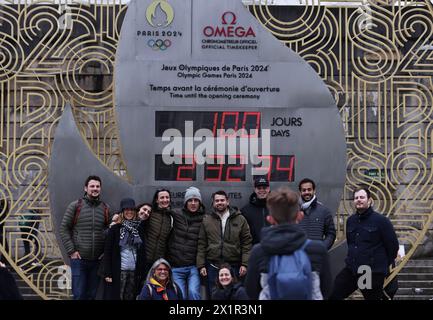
x,y
159,44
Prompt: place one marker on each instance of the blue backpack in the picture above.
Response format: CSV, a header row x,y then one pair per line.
x,y
289,276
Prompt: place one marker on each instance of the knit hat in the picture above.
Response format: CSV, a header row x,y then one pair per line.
x,y
127,203
192,192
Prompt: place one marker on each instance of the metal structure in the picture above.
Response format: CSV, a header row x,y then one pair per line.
x,y
375,56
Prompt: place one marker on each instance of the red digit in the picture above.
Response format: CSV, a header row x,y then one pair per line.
x,y
245,133
289,169
236,167
218,167
223,120
215,124
265,167
186,168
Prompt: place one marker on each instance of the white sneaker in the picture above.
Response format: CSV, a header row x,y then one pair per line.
x,y
36,264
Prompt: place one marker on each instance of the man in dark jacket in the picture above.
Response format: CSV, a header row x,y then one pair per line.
x,y
82,234
256,211
8,286
283,238
182,249
372,248
317,222
224,237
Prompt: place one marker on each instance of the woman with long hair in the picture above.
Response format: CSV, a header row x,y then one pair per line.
x,y
159,283
227,285
124,254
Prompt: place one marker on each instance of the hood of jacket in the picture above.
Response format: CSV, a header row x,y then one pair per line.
x,y
255,201
234,211
93,202
194,216
282,239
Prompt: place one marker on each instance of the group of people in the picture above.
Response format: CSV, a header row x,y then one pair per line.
x,y
154,252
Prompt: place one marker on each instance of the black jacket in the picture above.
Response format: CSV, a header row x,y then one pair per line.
x,y
284,239
233,292
371,240
255,212
319,224
8,286
112,262
182,249
157,231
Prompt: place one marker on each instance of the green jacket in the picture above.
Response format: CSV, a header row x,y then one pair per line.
x,y
87,235
234,248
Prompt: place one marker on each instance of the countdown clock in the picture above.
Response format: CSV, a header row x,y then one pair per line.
x,y
196,79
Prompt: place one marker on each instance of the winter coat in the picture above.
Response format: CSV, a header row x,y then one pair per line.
x,y
8,286
112,262
233,292
318,223
256,212
87,235
234,248
284,239
157,231
182,249
371,241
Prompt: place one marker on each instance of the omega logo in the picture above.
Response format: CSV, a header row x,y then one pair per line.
x,y
228,28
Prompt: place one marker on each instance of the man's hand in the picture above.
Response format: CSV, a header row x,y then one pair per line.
x,y
242,271
75,255
2,265
108,279
203,272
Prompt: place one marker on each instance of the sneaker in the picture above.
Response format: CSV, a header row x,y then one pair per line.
x,y
36,264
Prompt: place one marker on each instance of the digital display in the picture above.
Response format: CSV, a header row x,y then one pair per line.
x,y
231,169
213,121
175,172
277,168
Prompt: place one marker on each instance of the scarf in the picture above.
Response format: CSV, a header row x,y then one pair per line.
x,y
129,236
306,205
159,288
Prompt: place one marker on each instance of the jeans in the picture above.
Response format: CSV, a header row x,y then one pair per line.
x,y
188,278
127,285
85,279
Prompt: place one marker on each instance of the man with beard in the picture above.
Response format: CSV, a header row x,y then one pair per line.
x,y
82,234
224,238
284,238
317,222
182,249
256,211
372,245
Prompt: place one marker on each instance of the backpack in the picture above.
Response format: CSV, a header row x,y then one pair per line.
x,y
150,289
290,276
78,211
